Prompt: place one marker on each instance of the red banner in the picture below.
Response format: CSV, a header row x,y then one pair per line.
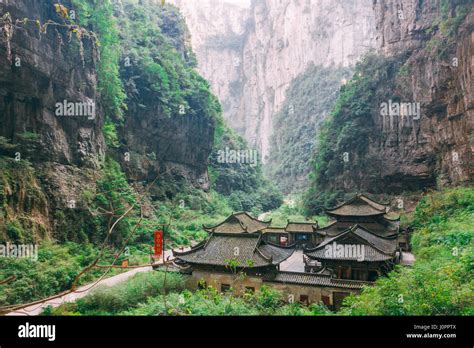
x,y
158,243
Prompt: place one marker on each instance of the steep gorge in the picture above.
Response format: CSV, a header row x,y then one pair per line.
x,y
155,120
251,54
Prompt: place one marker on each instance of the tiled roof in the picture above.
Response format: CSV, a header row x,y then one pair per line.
x,y
359,205
274,230
387,229
375,248
314,279
239,223
371,254
301,227
243,247
293,227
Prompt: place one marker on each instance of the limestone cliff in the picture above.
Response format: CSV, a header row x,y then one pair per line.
x,y
438,38
405,122
51,161
47,160
163,135
251,54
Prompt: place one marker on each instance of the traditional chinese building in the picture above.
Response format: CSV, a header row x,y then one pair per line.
x,y
309,288
241,222
242,244
235,245
367,213
356,254
294,233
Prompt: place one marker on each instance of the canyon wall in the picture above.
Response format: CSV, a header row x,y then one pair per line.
x,y
438,39
47,160
251,54
404,124
158,138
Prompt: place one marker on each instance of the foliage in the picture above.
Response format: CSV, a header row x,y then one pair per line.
x,y
243,183
124,296
18,226
441,282
187,213
113,197
110,135
445,27
97,15
293,210
348,129
138,297
53,272
153,41
309,99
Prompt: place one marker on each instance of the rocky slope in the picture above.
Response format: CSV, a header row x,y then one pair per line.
x,y
49,161
163,137
251,54
57,156
440,60
425,60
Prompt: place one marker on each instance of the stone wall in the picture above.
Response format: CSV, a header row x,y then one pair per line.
x,y
290,292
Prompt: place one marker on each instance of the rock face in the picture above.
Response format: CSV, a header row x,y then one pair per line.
x,y
176,148
442,82
36,72
41,70
425,61
251,54
61,157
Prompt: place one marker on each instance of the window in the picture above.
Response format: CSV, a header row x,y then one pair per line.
x,y
344,273
338,298
304,299
359,274
225,287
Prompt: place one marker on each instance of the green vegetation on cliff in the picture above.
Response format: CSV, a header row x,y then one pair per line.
x,y
98,17
242,183
348,130
309,99
154,49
